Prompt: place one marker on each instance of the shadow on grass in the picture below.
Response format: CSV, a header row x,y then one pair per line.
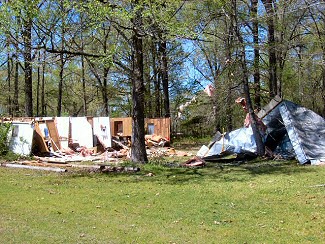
x,y
276,167
224,171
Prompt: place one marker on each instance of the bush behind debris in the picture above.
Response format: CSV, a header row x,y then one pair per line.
x,y
4,138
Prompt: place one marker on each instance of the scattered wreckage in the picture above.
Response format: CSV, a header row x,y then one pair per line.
x,y
71,141
291,131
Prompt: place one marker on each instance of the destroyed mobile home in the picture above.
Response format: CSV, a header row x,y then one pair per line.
x,y
101,140
292,131
289,131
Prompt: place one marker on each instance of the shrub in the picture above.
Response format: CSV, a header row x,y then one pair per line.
x,y
4,138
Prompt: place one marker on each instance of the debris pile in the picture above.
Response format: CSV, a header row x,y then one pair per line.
x,y
288,130
64,142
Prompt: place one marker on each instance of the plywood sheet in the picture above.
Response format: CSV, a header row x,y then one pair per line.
x,y
39,143
101,128
54,135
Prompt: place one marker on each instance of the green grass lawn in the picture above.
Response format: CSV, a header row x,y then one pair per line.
x,y
255,202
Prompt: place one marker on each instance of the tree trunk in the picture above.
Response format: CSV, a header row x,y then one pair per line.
x,y
60,88
157,82
321,37
256,133
16,89
83,79
138,149
105,78
273,88
104,92
43,105
38,84
323,83
229,43
147,82
62,62
164,76
83,84
27,37
257,84
9,67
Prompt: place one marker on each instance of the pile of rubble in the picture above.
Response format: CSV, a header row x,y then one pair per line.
x,y
83,141
99,158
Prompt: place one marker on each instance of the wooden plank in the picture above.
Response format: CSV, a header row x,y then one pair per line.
x,y
272,104
54,135
39,143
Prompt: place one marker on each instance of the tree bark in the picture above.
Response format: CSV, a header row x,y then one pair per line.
x,y
138,149
257,84
147,81
323,82
27,37
229,43
256,133
60,88
157,82
164,77
16,88
62,62
38,87
83,80
9,68
273,87
104,92
43,105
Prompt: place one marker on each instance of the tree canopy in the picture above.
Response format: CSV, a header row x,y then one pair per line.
x,y
154,58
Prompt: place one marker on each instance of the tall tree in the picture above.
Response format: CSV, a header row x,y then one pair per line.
x,y
61,57
252,116
138,149
164,75
9,75
38,86
270,6
43,105
318,27
255,32
83,77
16,77
27,53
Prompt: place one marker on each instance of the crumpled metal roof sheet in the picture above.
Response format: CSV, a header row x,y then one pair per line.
x,y
306,130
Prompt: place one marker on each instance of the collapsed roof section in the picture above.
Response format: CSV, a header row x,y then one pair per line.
x,y
292,131
306,131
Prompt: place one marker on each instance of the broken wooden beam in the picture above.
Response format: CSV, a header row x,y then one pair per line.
x,y
120,144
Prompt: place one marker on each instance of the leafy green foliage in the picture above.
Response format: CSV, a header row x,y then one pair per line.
x,y
4,138
201,49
